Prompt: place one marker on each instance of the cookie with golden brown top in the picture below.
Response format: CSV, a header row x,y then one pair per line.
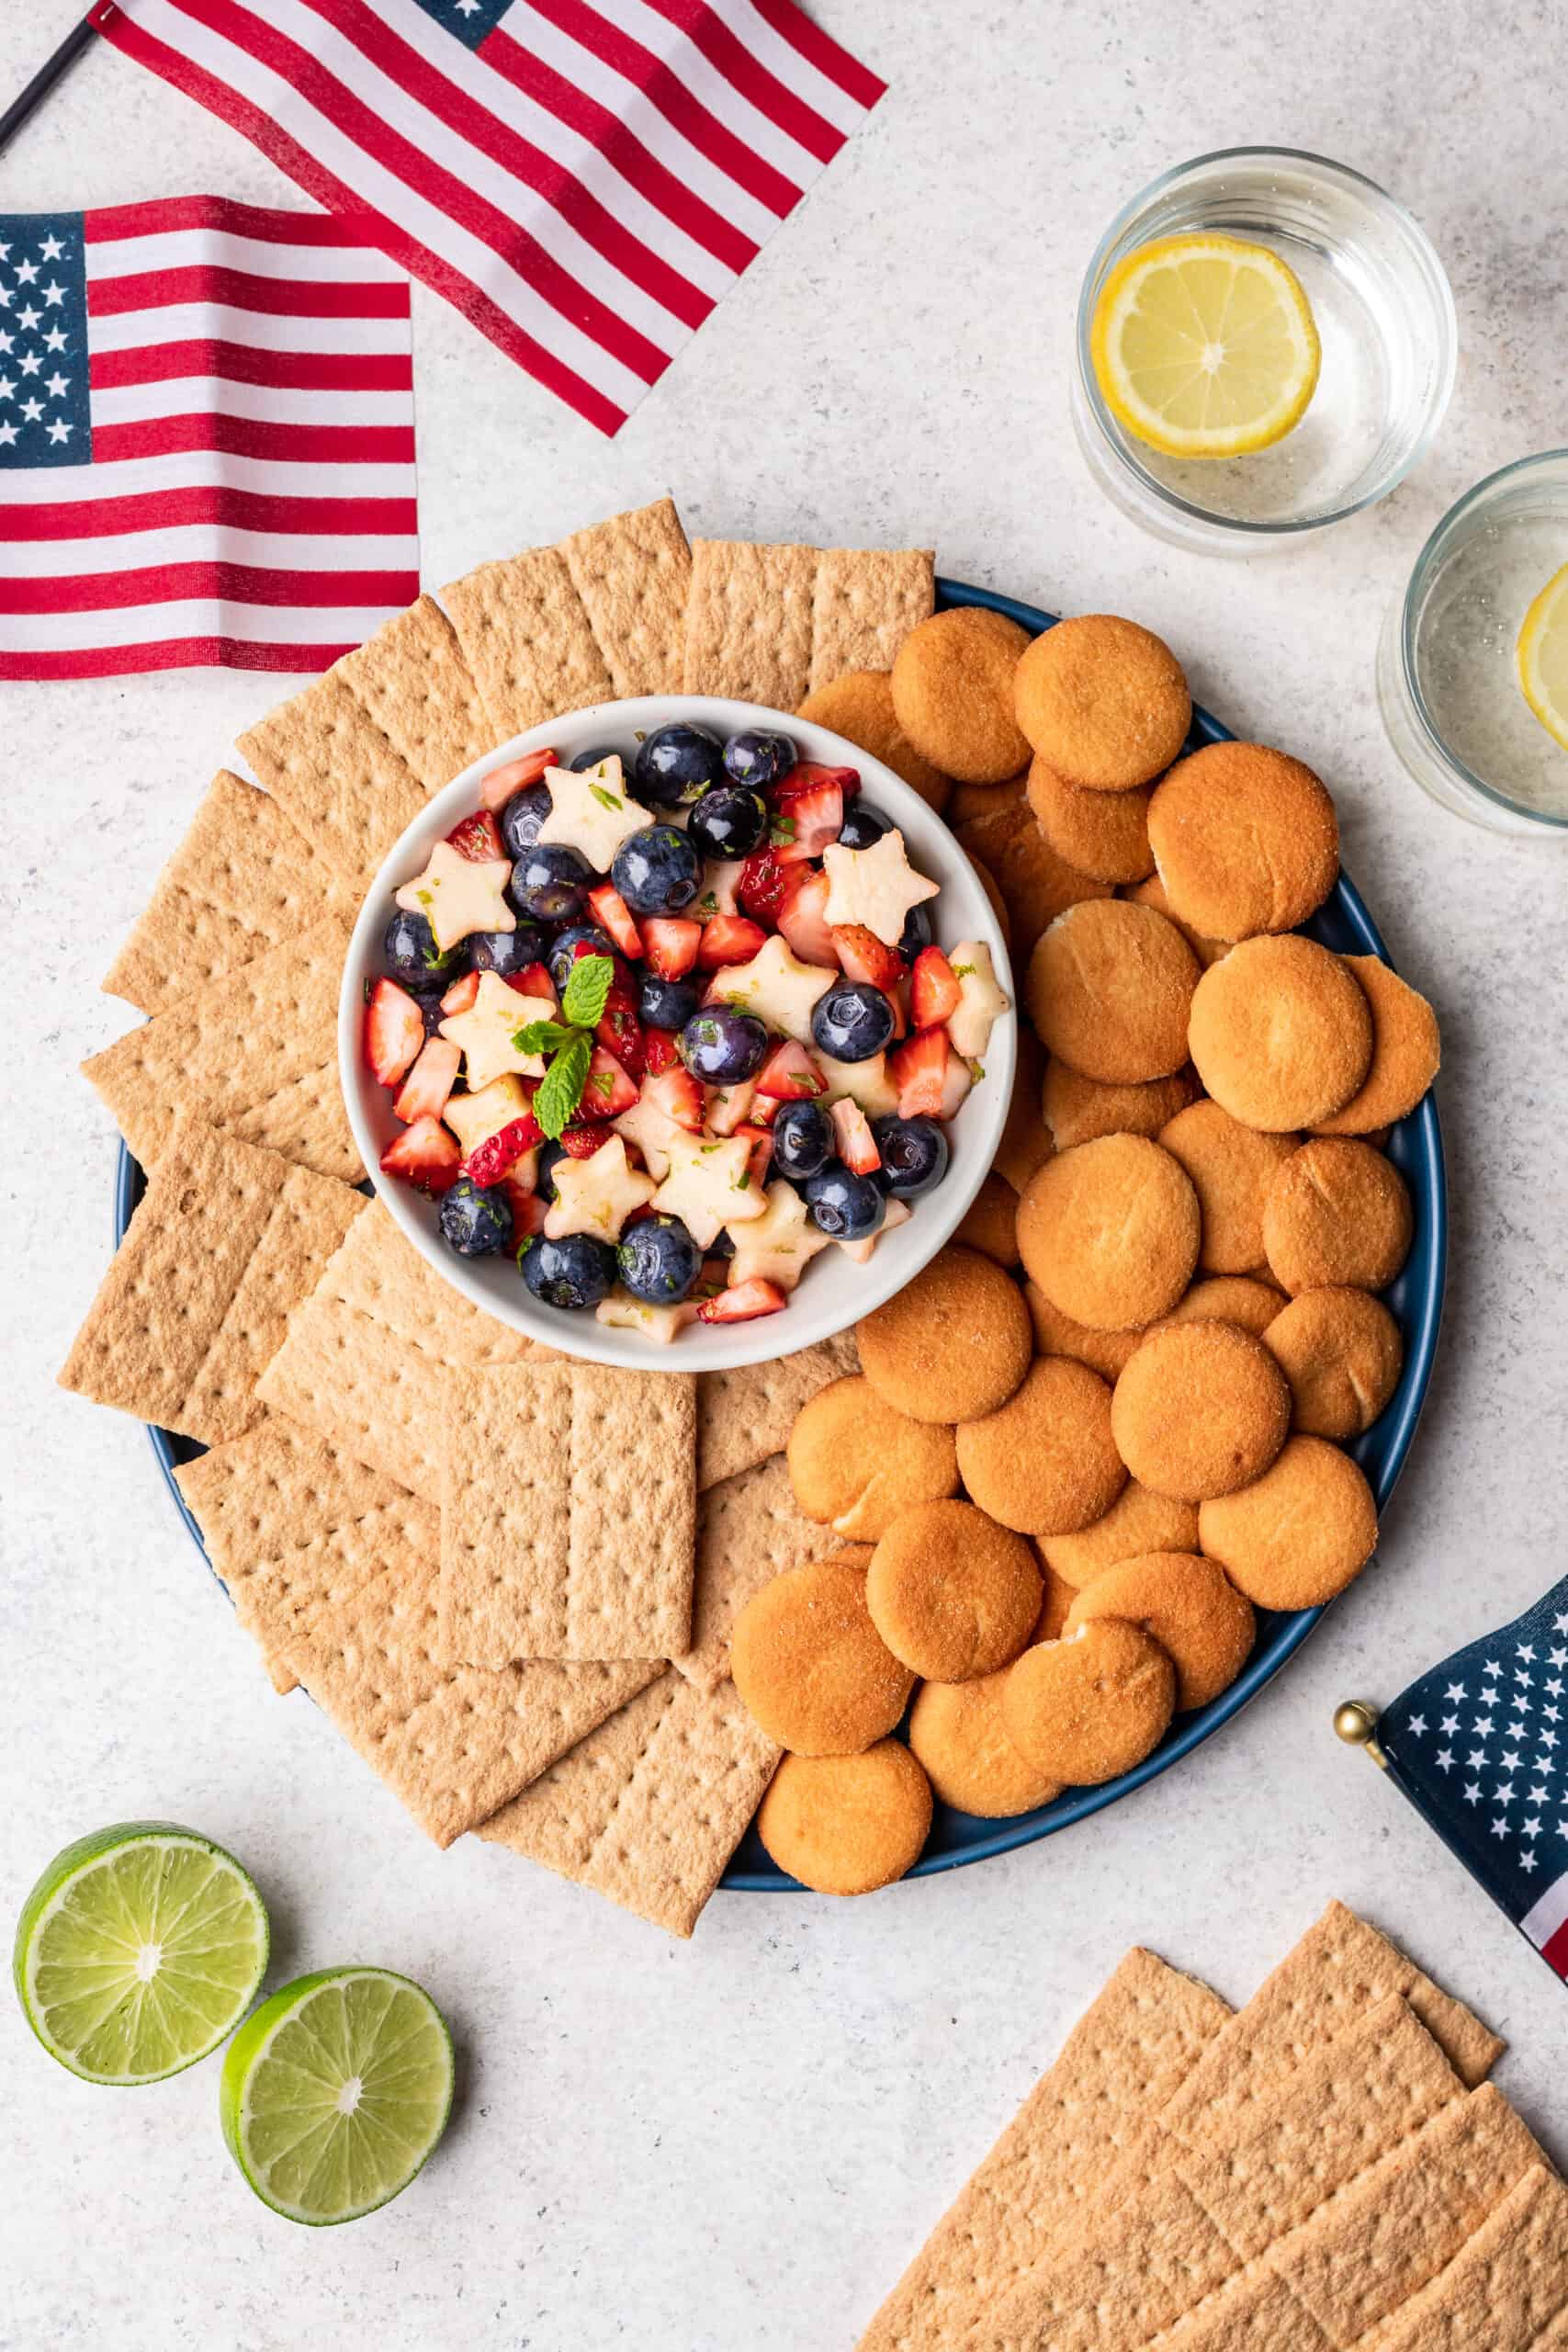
x,y
856,1463
1047,1463
859,706
847,1825
1077,1109
951,1344
1299,1535
952,693
1036,884
1109,989
1342,1353
989,1223
1245,1299
971,802
957,1733
1201,1410
1091,1705
950,1592
1025,1144
1103,833
1281,1033
1232,1167
1138,1521
1057,1334
1337,1214
1110,1232
1406,1053
1188,1606
811,1667
1103,701
1246,840
1153,893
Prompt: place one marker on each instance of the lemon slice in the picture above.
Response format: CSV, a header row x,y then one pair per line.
x,y
1205,346
1542,657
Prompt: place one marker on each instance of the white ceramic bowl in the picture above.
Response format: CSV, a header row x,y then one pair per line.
x,y
833,1292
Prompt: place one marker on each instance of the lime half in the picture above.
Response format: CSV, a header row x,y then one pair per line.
x,y
138,1951
335,2091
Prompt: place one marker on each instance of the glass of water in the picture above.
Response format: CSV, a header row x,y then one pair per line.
x,y
1385,319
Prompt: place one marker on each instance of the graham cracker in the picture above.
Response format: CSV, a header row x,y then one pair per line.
x,y
1154,2261
1127,2054
412,682
452,1743
227,1240
1254,2312
650,1808
1505,2290
864,602
527,640
568,1513
255,1053
748,1527
768,623
294,1526
746,1415
243,879
337,774
631,575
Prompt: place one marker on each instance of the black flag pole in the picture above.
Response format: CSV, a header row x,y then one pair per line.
x,y
52,71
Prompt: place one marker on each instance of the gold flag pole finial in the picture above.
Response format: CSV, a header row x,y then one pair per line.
x,y
1356,1724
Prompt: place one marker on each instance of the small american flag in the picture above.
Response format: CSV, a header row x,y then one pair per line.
x,y
1481,1746
206,439
583,181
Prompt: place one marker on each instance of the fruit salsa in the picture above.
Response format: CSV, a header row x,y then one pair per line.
x,y
664,1049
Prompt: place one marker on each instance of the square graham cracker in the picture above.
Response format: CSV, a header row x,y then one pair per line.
x,y
1505,2290
529,641
255,1053
632,575
865,602
412,682
227,1240
750,1527
328,765
769,623
243,879
648,1809
1128,2052
746,1415
568,1513
1150,2264
1254,2312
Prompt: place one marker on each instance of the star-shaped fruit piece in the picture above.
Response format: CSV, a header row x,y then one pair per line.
x,y
458,895
650,1129
660,1324
489,1030
979,999
897,1213
866,1082
708,1186
777,986
779,1244
596,1195
591,811
476,1117
875,887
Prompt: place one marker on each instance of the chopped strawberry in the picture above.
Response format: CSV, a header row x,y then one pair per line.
x,y
852,1132
677,1093
607,1091
529,1210
425,1154
670,943
581,1143
659,1052
802,920
461,993
729,939
512,777
499,1153
808,822
612,913
763,886
899,998
765,1109
762,1150
429,1082
478,838
728,1107
790,1075
620,1033
933,989
957,1080
535,980
394,1032
864,957
742,1303
811,776
919,1069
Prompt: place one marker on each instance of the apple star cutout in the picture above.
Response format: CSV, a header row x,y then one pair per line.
x,y
458,896
875,887
721,878
980,1000
660,1324
898,1214
597,1196
474,1118
649,1127
866,1083
778,1245
591,811
777,986
707,1186
487,1032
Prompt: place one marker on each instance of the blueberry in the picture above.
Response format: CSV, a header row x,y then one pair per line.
x,y
410,954
730,822
658,1260
592,759
431,1007
657,871
803,1140
851,1020
576,1270
677,764
862,825
548,882
666,1005
550,1154
917,933
914,1154
846,1206
563,950
507,953
522,817
722,1045
475,1218
758,757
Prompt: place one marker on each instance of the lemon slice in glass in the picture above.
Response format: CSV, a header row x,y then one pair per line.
x,y
1542,657
1205,346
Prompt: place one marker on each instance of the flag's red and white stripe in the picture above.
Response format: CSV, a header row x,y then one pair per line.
x,y
585,184
1546,1925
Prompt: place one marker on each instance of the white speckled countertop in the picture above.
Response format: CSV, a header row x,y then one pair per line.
x,y
738,2144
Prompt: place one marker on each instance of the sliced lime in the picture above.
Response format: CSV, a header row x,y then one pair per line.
x,y
140,1948
335,2091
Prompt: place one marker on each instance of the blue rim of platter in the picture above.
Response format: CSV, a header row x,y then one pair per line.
x,y
1416,1149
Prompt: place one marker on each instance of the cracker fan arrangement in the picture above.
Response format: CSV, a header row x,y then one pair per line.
x,y
604,1617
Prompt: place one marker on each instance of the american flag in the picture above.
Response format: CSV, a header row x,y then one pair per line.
x,y
1481,1746
206,439
584,181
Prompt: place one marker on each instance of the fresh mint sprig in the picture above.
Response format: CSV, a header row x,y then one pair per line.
x,y
568,1042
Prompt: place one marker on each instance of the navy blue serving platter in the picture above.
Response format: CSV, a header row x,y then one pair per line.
x,y
1415,1147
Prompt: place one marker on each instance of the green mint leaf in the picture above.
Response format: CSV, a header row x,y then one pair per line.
x,y
782,830
606,799
561,1088
588,990
541,1037
961,971
707,904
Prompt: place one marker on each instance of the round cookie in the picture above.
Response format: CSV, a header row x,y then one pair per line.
x,y
1201,1410
952,693
856,1463
951,1593
1025,1144
847,1825
810,1666
1110,990
1054,1608
1188,1606
957,1734
1138,1521
1246,840
1153,893
1057,1334
971,801
951,1344
1245,1299
859,706
1300,1534
1078,1109
1091,1705
1407,1052
1232,1167
1046,1464
1281,1033
1103,833
1110,1232
1337,1214
989,1223
1341,1352
1103,701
